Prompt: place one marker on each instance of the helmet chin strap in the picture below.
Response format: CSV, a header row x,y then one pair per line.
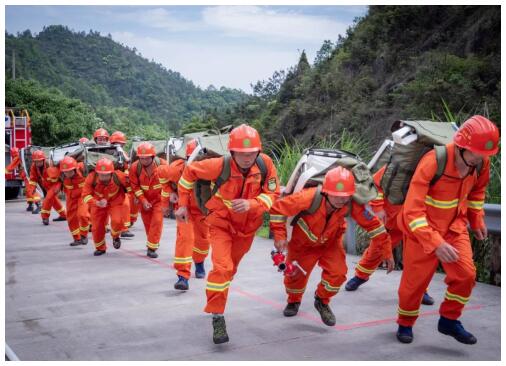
x,y
331,205
461,152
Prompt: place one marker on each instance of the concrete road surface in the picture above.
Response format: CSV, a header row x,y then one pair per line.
x,y
62,303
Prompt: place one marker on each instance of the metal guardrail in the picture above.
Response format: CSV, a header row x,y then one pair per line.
x,y
492,220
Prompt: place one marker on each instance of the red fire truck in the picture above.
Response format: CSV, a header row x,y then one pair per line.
x,y
18,133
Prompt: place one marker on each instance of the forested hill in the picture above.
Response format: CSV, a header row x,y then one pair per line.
x,y
100,72
397,62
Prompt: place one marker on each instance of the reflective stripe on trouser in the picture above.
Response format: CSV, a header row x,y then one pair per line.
x,y
30,197
183,248
201,238
419,269
51,201
227,252
72,206
330,257
153,224
99,217
373,256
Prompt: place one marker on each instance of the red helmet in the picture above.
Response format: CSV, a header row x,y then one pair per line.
x,y
101,132
190,147
339,182
478,135
38,155
14,152
104,166
145,149
83,140
244,138
118,137
67,164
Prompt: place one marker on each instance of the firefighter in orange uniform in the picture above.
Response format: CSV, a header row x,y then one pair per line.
x,y
16,164
101,136
119,138
47,177
317,238
372,258
78,217
434,220
104,191
147,188
235,211
192,239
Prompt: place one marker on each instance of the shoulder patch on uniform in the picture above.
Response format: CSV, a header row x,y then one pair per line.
x,y
272,185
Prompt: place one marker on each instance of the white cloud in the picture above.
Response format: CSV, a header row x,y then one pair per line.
x,y
240,21
205,64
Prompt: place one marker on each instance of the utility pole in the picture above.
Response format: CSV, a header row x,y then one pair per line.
x,y
13,65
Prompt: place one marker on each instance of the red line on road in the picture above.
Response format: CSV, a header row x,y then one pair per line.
x,y
302,314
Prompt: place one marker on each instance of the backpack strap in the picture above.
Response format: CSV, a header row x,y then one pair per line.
x,y
224,175
441,159
263,169
315,204
94,183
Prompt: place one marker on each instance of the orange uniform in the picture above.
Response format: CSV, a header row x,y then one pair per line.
x,y
47,177
231,233
32,197
317,238
147,188
430,216
78,214
374,255
192,240
114,194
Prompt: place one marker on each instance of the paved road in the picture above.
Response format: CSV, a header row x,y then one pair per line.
x,y
62,303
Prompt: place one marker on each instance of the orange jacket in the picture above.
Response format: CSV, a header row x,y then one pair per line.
x,y
94,190
14,165
238,186
169,175
316,229
382,204
429,212
146,188
73,186
47,177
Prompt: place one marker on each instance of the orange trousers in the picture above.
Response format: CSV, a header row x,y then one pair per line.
x,y
192,243
78,217
30,197
99,217
227,252
419,269
330,257
126,213
153,224
51,200
134,209
373,256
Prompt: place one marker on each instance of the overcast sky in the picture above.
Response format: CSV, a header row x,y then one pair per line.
x,y
230,46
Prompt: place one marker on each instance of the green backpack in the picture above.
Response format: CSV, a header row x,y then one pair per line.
x,y
404,158
202,188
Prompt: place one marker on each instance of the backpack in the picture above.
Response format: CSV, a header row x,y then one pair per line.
x,y
90,154
205,189
412,140
315,163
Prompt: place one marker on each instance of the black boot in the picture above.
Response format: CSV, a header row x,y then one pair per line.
x,y
219,330
30,207
116,243
99,252
37,209
84,240
152,253
60,218
325,311
45,221
75,243
291,309
127,234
